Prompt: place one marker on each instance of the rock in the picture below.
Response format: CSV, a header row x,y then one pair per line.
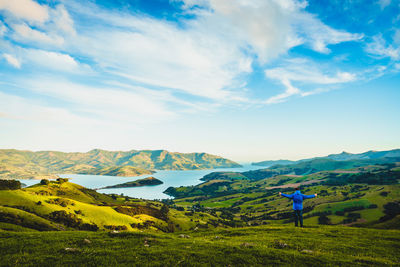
x,y
146,244
217,237
86,241
280,244
71,249
247,245
307,251
184,236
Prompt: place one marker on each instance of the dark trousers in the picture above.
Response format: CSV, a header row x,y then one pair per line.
x,y
298,216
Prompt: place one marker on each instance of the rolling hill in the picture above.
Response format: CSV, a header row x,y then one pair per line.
x,y
18,164
366,196
61,205
344,156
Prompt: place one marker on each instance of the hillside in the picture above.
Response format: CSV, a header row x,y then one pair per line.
x,y
302,168
250,246
127,171
366,196
344,156
18,164
140,182
61,205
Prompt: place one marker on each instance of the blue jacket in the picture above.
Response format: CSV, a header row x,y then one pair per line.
x,y
297,199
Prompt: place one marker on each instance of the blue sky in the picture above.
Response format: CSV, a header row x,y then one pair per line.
x,y
248,80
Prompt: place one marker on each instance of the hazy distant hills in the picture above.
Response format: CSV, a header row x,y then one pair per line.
x,y
44,164
344,156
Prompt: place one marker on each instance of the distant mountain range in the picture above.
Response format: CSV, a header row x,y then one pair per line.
x,y
21,164
344,156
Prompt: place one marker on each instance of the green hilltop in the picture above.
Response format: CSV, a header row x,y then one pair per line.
x,y
18,164
344,156
365,196
61,205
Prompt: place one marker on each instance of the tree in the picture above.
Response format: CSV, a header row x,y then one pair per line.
x,y
10,184
323,219
44,182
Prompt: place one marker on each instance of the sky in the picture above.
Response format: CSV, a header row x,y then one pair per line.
x,y
249,80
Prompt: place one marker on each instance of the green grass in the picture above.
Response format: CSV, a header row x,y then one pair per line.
x,y
253,246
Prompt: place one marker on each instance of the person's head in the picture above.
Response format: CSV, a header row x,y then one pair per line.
x,y
297,189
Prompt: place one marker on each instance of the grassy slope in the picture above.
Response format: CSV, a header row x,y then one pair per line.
x,y
250,198
255,246
89,206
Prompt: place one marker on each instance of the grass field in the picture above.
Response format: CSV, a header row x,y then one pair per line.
x,y
253,246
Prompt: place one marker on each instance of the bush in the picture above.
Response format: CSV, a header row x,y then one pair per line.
x,y
62,180
116,227
339,213
323,219
372,206
44,182
384,193
391,209
354,208
10,184
71,220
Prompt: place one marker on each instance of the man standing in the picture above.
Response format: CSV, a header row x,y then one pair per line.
x,y
298,198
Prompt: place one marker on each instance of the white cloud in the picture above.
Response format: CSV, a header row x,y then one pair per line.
x,y
63,20
13,61
55,61
272,27
290,91
379,48
318,35
26,34
26,9
3,29
209,56
16,107
160,54
396,36
304,72
384,3
111,104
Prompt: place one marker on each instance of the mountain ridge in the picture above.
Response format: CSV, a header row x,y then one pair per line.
x,y
29,164
343,156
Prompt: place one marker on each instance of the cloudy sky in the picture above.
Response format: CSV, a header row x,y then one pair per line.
x,y
245,79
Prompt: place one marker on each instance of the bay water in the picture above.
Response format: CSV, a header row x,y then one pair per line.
x,y
169,178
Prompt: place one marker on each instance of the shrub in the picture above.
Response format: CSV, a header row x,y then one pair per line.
x,y
372,206
62,180
384,193
44,182
354,208
339,213
391,209
71,220
323,219
116,227
10,184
